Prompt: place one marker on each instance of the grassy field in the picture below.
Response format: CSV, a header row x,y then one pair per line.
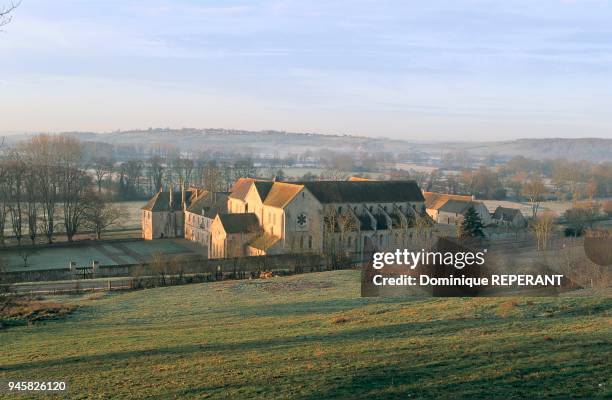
x,y
311,337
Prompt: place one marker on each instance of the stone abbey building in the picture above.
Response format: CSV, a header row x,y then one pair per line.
x,y
261,217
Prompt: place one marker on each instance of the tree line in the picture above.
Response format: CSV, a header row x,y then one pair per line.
x,y
44,191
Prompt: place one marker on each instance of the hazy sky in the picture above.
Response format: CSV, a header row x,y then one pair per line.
x,y
451,69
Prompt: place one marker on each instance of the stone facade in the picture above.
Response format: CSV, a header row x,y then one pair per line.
x,y
264,217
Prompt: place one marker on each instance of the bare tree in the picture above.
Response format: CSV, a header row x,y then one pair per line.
x,y
45,154
102,168
16,173
31,200
73,191
4,198
156,170
211,177
5,12
100,214
534,190
542,227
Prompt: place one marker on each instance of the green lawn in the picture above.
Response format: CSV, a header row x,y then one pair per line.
x,y
311,337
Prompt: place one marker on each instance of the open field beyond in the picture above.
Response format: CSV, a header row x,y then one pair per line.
x,y
311,337
105,252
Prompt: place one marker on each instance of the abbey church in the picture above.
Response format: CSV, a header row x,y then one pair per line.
x,y
258,217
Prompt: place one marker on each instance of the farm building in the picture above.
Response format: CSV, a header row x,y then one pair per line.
x,y
510,217
449,208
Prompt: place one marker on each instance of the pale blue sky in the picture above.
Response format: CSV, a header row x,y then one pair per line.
x,y
465,70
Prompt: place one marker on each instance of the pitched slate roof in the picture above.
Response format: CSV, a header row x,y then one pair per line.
x,y
282,193
436,200
457,206
365,223
241,188
239,223
209,204
161,201
364,191
381,221
505,213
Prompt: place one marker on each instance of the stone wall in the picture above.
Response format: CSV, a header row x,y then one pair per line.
x,y
243,266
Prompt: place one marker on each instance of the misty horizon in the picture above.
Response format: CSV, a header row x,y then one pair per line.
x,y
441,71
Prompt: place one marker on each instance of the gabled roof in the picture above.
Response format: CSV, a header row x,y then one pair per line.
x,y
282,193
365,223
239,223
161,201
436,200
263,188
381,222
457,206
209,204
241,188
364,191
505,213
264,241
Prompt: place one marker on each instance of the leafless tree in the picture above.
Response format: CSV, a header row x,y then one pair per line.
x,y
4,197
73,191
102,168
156,171
31,200
100,214
534,190
16,174
542,227
5,12
49,156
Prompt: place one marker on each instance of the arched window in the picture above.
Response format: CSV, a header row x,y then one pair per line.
x,y
380,240
310,242
301,242
350,241
340,210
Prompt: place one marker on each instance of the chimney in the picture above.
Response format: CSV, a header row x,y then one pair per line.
x,y
183,195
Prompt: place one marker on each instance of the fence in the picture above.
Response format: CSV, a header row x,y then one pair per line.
x,y
185,265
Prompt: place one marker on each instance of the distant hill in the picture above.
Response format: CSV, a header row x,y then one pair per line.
x,y
282,143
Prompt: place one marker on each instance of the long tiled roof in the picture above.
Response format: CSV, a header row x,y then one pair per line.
x,y
364,191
